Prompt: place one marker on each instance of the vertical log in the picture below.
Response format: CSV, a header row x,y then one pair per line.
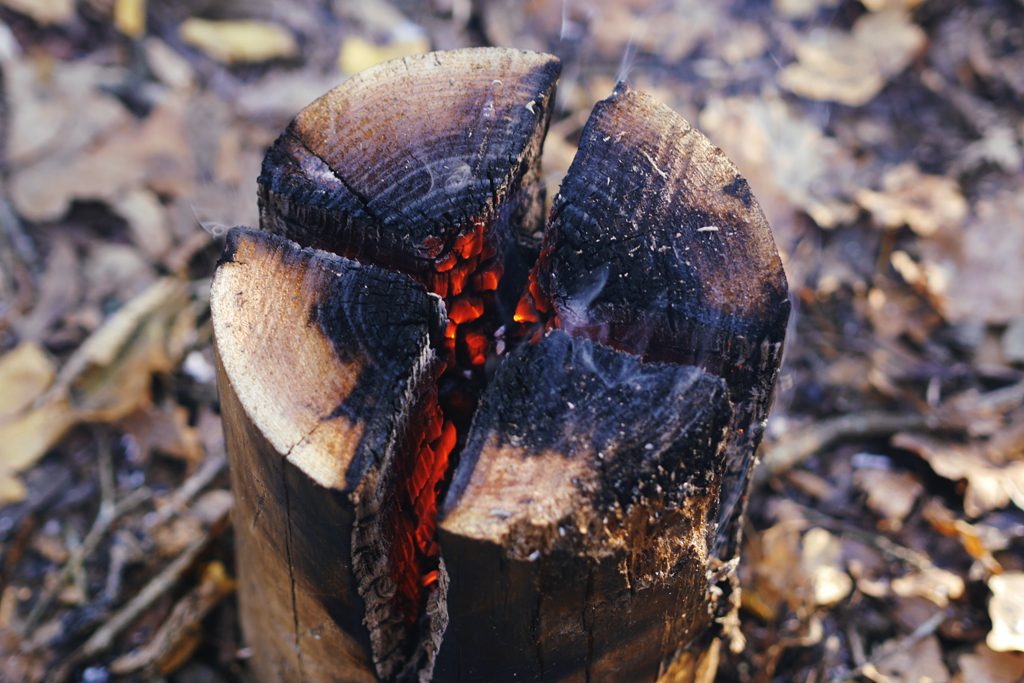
x,y
588,525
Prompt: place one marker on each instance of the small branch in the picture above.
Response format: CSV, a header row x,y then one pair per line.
x,y
161,583
210,468
78,557
919,634
789,452
103,638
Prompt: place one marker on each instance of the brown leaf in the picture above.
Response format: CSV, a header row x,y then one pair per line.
x,y
922,661
153,154
989,487
107,377
358,54
44,12
983,261
985,665
851,68
926,203
891,495
788,161
59,292
163,430
25,373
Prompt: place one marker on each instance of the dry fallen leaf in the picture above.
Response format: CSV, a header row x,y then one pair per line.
x,y
107,377
25,373
989,486
917,664
233,42
934,584
801,9
985,665
165,431
130,17
979,540
790,164
891,495
983,260
58,107
44,12
60,290
153,153
851,68
672,33
147,220
1006,609
358,54
926,203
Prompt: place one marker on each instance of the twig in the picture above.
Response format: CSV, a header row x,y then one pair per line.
x,y
92,540
183,494
887,547
789,452
161,583
104,636
919,634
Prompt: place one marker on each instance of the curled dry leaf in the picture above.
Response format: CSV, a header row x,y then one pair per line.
x,y
1006,609
989,487
234,42
934,584
851,68
926,203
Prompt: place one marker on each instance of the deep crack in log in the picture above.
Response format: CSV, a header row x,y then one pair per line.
x,y
461,452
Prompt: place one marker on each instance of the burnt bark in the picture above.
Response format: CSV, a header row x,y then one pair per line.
x,y
448,470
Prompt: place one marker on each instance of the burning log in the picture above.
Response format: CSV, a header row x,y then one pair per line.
x,y
461,453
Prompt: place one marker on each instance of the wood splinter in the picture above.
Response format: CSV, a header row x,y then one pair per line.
x,y
469,446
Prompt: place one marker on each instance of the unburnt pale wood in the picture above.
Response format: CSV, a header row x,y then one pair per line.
x,y
588,524
321,365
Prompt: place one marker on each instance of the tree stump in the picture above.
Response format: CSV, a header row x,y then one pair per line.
x,y
467,445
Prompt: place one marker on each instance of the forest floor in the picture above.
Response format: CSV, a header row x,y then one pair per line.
x,y
884,139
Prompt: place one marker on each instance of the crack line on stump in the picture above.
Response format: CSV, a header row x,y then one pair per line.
x,y
291,568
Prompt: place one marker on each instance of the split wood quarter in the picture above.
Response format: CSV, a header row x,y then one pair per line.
x,y
461,452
